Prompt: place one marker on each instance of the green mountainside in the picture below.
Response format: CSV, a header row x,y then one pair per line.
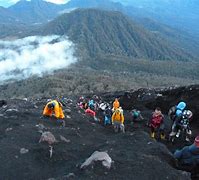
x,y
98,32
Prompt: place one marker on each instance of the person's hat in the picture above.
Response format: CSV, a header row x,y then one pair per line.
x,y
196,141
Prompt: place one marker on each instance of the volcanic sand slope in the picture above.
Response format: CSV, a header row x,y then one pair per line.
x,y
134,153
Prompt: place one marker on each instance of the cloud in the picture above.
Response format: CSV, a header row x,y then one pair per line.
x,y
58,1
35,55
7,3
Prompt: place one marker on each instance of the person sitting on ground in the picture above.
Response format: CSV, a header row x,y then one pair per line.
x,y
118,120
157,124
107,116
189,155
116,104
54,108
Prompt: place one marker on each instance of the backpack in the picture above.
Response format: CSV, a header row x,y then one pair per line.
x,y
135,113
117,114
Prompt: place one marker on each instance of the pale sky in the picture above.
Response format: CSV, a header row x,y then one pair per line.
x,y
6,3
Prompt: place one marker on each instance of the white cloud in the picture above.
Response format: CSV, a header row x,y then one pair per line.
x,y
58,1
7,3
34,55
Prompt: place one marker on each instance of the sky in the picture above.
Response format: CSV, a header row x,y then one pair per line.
x,y
6,3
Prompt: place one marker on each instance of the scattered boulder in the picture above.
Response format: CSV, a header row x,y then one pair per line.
x,y
98,156
64,139
67,111
48,137
40,127
24,151
12,110
8,129
70,175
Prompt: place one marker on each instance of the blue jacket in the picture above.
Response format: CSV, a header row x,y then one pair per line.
x,y
189,155
91,103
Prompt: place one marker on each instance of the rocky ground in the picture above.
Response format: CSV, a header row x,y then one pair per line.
x,y
134,154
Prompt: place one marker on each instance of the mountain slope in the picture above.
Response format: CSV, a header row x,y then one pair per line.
x,y
104,4
177,37
134,152
181,14
6,16
111,33
35,11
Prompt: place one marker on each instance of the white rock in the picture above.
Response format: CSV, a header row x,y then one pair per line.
x,y
159,95
70,175
8,129
11,110
98,156
24,151
64,139
68,111
47,137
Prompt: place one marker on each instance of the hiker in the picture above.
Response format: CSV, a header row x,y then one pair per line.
x,y
116,104
136,115
91,104
182,125
176,111
189,155
107,116
54,108
180,119
84,104
80,101
157,124
118,120
90,112
103,106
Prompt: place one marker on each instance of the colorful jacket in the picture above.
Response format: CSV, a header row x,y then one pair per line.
x,y
157,120
57,110
118,117
90,112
